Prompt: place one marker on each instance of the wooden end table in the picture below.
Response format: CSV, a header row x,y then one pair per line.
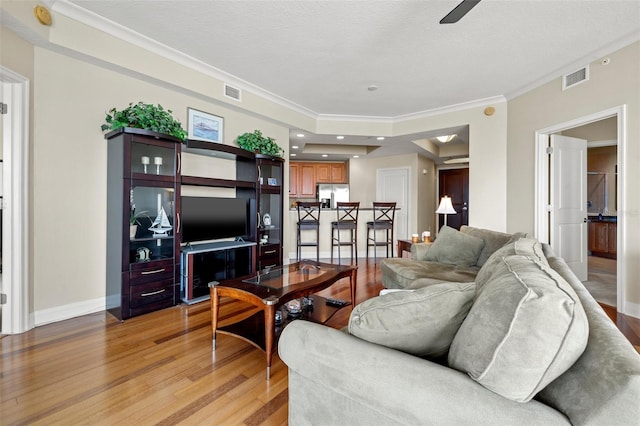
x,y
269,290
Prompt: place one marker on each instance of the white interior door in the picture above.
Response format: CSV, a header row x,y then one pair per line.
x,y
568,179
392,185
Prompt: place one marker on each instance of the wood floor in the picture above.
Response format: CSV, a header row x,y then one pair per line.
x,y
158,368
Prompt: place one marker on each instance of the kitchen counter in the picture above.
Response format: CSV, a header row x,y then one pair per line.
x,y
326,217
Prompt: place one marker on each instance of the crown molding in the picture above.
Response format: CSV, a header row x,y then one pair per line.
x,y
478,103
75,12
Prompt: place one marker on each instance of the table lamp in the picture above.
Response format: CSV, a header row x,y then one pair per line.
x,y
445,208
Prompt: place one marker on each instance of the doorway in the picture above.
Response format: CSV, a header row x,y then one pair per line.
x,y
14,93
393,185
455,184
544,219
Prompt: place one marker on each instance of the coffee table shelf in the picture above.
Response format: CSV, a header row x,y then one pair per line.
x,y
269,291
251,329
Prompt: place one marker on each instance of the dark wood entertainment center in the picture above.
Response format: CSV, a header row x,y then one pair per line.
x,y
145,269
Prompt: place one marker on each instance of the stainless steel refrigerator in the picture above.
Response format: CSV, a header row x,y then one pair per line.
x,y
332,193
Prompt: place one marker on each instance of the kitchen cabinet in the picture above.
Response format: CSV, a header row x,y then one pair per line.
x,y
307,180
603,238
293,179
303,177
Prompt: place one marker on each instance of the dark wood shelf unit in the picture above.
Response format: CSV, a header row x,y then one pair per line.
x,y
217,150
135,285
219,183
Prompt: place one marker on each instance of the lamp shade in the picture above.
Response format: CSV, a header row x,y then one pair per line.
x,y
445,206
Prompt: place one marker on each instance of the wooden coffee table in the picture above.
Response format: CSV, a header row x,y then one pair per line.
x,y
269,290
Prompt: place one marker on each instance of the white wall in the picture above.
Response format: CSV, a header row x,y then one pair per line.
x,y
609,86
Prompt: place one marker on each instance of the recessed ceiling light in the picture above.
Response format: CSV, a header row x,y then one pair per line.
x,y
300,135
356,156
292,155
445,138
294,146
325,155
372,88
340,137
380,138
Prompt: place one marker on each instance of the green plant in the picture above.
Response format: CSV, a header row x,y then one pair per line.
x,y
133,216
145,116
257,142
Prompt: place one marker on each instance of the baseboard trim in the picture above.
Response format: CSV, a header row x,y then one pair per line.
x,y
632,309
72,310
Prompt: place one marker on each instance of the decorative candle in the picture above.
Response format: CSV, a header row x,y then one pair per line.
x,y
415,238
158,162
145,162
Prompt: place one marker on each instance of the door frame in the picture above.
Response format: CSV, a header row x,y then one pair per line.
x,y
541,223
15,231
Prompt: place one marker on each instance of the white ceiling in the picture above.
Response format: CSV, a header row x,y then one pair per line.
x,y
323,55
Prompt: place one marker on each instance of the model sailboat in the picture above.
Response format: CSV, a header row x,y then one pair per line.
x,y
161,225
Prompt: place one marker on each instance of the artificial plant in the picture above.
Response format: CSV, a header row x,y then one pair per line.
x,y
145,116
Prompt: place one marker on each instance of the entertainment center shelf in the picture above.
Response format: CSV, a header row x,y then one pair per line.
x,y
150,269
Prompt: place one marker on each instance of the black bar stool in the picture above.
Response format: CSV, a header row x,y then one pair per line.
x,y
308,219
383,217
347,221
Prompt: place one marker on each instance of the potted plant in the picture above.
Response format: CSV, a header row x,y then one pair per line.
x,y
145,116
256,142
134,222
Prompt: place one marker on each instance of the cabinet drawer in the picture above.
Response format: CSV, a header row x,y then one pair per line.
x,y
151,292
269,256
153,271
269,250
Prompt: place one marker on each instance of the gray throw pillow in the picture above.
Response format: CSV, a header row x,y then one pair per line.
x,y
522,246
421,322
493,240
455,248
525,328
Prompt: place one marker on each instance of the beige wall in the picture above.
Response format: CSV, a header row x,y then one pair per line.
x,y
609,86
70,97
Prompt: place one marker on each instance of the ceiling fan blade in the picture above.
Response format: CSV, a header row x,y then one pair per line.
x,y
459,11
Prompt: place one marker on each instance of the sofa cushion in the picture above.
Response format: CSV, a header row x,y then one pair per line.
x,y
402,273
455,248
523,246
493,240
421,322
525,328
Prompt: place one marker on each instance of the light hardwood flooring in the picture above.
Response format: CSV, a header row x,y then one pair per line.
x,y
157,368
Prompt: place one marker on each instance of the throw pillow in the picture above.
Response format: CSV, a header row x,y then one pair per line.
x,y
522,246
493,240
525,328
455,248
421,322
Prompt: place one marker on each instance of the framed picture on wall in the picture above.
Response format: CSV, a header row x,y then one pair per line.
x,y
203,126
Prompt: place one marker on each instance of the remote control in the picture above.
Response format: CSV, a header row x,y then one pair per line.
x,y
336,302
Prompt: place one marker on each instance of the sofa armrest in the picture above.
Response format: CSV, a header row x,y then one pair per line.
x,y
336,377
419,250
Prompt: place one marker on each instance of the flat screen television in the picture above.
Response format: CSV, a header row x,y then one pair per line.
x,y
212,218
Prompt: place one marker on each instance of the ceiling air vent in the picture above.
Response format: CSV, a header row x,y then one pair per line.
x,y
576,77
232,92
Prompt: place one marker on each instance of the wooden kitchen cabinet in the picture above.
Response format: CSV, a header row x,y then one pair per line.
x,y
293,179
303,177
307,180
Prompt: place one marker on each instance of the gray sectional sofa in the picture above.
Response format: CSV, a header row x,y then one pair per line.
x,y
522,343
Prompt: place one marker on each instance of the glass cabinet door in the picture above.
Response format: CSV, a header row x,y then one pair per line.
x,y
152,160
152,211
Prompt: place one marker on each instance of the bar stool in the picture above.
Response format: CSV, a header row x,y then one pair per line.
x,y
383,217
308,220
347,221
